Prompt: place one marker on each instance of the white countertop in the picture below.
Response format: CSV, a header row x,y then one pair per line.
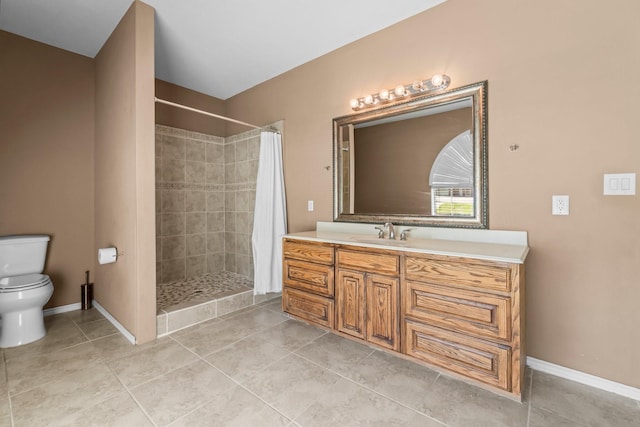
x,y
492,245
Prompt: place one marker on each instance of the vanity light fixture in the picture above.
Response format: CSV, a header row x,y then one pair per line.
x,y
419,87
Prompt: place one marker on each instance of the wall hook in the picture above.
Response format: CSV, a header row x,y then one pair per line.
x,y
327,167
514,147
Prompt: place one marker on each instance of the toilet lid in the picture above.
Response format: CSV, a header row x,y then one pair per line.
x,y
23,283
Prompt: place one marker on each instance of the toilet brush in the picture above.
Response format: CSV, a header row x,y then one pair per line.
x,y
86,293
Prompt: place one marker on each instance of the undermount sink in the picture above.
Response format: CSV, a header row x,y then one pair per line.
x,y
377,241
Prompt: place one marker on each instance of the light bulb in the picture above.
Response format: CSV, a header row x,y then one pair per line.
x,y
384,94
400,90
418,85
354,103
368,99
437,80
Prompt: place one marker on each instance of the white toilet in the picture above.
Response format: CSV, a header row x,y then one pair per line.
x,y
23,290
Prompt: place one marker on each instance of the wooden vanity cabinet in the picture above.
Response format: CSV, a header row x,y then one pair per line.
x,y
464,315
366,296
383,312
350,303
308,277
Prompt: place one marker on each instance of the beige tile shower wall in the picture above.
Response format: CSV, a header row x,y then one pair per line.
x,y
190,204
241,168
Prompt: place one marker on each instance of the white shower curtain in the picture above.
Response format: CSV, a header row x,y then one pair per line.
x,y
270,218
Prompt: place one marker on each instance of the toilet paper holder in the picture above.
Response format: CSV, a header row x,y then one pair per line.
x,y
109,255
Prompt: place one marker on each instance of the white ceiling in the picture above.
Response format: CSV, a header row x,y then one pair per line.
x,y
217,47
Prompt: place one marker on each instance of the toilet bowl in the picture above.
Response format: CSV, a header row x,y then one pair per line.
x,y
23,289
21,302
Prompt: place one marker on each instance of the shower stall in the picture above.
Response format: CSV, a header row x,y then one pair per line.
x,y
205,196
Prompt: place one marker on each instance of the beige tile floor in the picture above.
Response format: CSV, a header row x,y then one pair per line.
x,y
256,367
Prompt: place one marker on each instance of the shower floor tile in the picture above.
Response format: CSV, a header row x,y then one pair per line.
x,y
180,294
184,303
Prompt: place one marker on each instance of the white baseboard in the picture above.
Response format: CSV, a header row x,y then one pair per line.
x,y
583,378
114,322
62,309
105,313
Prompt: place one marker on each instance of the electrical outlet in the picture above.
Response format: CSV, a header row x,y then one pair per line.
x,y
310,205
560,205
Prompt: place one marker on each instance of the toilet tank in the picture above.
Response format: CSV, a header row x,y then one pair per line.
x,y
24,254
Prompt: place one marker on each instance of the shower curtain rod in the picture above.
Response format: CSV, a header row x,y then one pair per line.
x,y
206,113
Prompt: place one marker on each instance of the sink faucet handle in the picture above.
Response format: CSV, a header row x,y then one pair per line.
x,y
403,234
380,232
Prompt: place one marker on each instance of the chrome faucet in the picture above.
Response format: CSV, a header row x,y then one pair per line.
x,y
392,231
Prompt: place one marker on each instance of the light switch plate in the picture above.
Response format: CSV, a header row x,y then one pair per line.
x,y
310,205
619,184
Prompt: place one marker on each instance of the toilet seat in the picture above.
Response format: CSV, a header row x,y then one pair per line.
x,y
23,283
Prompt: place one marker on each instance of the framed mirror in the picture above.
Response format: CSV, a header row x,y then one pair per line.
x,y
421,161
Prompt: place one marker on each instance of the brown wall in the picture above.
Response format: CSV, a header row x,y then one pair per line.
x,y
563,86
125,172
171,116
46,155
393,161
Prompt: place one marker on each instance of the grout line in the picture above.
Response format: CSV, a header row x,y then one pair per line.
x,y
184,327
97,361
87,340
228,345
177,367
105,336
372,390
93,321
255,334
125,333
129,392
6,377
530,399
237,384
573,421
251,391
54,379
81,331
202,358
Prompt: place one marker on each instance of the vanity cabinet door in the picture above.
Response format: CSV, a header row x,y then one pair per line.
x,y
381,263
480,314
307,276
382,311
309,307
317,253
308,281
367,307
479,275
478,359
349,296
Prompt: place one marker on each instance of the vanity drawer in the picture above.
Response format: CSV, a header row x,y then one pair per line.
x,y
316,278
367,261
309,307
476,359
317,253
484,315
473,275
